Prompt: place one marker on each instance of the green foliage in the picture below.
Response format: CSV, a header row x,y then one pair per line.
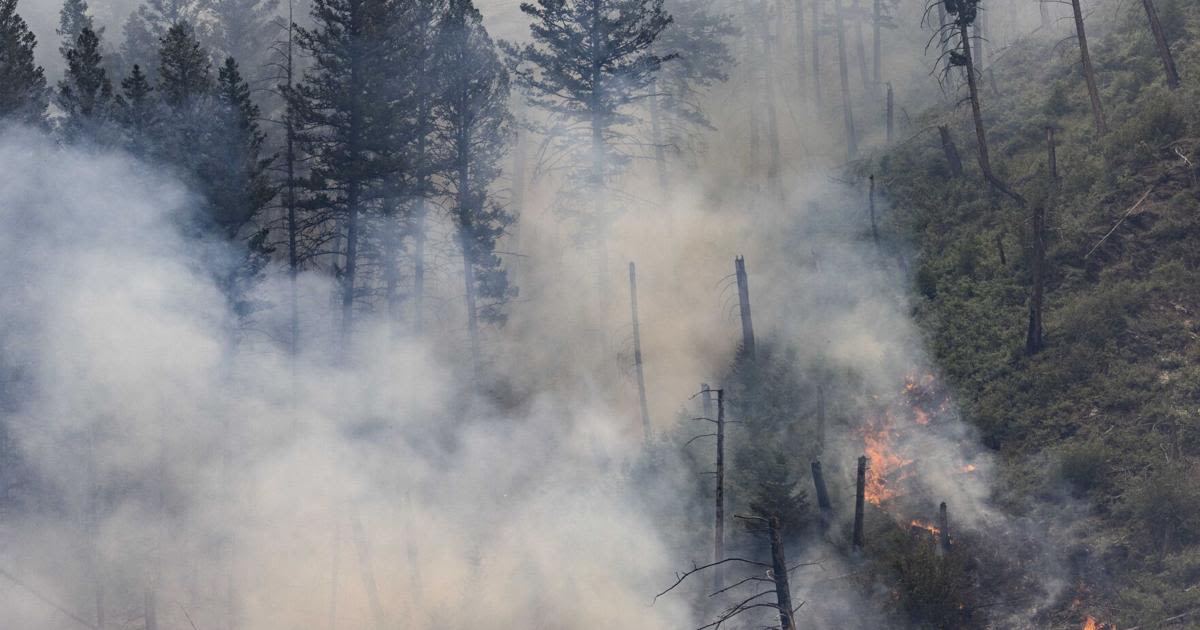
x,y
1165,506
23,94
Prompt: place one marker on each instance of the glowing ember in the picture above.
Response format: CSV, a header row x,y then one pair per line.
x,y
929,527
969,468
1090,624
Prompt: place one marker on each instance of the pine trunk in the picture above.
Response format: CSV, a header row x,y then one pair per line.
x,y
1160,43
860,46
859,504
719,512
1089,75
779,571
637,353
953,159
985,163
844,75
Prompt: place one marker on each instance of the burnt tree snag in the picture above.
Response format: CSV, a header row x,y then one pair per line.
x,y
1160,43
823,502
779,573
951,150
637,352
871,206
1089,75
860,490
891,113
1034,337
943,528
964,12
719,512
844,75
743,284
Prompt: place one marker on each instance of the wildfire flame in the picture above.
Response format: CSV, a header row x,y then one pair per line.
x,y
929,527
916,404
1090,624
969,468
884,461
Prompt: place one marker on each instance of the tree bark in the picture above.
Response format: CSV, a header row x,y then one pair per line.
x,y
943,528
743,284
637,354
1160,43
844,74
1089,74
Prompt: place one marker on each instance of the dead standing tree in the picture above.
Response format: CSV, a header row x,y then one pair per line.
x,y
743,284
1160,44
776,582
719,489
1089,74
964,13
637,352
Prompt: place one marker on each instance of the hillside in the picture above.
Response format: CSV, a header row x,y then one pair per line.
x,y
1103,420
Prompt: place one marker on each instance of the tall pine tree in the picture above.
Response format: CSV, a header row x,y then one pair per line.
x,y
137,112
589,61
85,94
73,18
475,126
23,93
243,29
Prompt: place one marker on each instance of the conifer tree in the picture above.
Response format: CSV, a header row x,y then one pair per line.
x,y
73,18
85,93
146,27
137,112
23,93
184,70
347,107
475,127
243,28
589,61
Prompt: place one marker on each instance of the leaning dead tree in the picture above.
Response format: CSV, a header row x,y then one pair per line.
x,y
743,285
767,579
1089,74
1160,44
956,39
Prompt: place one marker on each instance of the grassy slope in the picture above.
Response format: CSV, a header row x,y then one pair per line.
x,y
1110,411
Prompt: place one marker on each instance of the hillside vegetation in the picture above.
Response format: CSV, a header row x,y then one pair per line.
x,y
1107,413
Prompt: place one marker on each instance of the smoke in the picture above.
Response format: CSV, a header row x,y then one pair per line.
x,y
232,484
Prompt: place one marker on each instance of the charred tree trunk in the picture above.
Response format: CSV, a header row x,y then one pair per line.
x,y
775,158
876,53
985,163
953,159
871,206
1089,75
719,516
820,418
816,53
943,528
779,572
844,75
637,353
891,114
860,490
469,282
823,503
743,284
1160,43
1000,249
1034,337
860,45
290,200
1051,155
801,62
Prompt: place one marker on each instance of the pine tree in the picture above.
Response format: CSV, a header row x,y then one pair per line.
x,y
137,112
589,61
243,27
73,18
236,184
23,93
184,70
85,93
475,127
347,107
699,35
146,27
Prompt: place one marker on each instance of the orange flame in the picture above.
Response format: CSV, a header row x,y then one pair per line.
x,y
1090,624
969,468
883,460
929,527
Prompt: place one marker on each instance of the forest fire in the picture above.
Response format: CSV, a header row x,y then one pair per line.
x,y
918,404
925,525
1090,624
